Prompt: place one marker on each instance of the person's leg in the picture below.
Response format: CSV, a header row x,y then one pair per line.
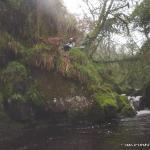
x,y
66,47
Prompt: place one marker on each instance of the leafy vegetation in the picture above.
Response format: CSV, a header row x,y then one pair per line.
x,y
28,62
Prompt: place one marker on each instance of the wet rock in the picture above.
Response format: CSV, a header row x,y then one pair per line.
x,y
18,111
145,103
135,102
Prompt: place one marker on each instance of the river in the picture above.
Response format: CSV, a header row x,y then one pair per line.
x,y
110,136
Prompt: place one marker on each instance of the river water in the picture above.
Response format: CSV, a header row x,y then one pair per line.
x,y
110,136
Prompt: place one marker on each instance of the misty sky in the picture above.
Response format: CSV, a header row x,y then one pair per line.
x,y
77,6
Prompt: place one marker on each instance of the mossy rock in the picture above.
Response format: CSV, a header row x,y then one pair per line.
x,y
107,103
127,111
34,97
124,106
145,103
114,104
105,99
16,107
122,101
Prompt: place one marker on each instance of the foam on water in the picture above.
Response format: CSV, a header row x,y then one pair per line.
x,y
143,112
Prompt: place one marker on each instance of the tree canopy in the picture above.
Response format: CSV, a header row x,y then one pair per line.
x,y
141,17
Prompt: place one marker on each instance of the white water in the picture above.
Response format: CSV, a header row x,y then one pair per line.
x,y
143,112
134,98
134,102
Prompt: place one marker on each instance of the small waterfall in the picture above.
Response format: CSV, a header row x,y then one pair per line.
x,y
143,112
135,103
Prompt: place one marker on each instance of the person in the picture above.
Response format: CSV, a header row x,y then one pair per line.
x,y
69,45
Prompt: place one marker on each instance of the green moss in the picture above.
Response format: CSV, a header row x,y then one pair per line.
x,y
124,107
8,42
107,102
40,56
33,96
127,111
112,103
88,71
15,71
93,88
78,56
8,90
14,79
4,39
17,98
106,99
37,49
122,101
81,68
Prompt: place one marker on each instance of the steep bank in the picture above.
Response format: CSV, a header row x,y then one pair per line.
x,y
44,82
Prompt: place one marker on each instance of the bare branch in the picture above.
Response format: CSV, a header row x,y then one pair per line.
x,y
118,8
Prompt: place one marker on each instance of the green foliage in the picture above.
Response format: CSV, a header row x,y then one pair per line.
x,y
14,79
141,16
122,101
14,3
14,72
34,97
120,104
107,102
88,71
106,99
4,39
9,44
41,56
36,52
84,68
127,111
125,108
17,98
78,56
38,48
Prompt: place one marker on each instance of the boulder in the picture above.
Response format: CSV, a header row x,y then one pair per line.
x,y
145,103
